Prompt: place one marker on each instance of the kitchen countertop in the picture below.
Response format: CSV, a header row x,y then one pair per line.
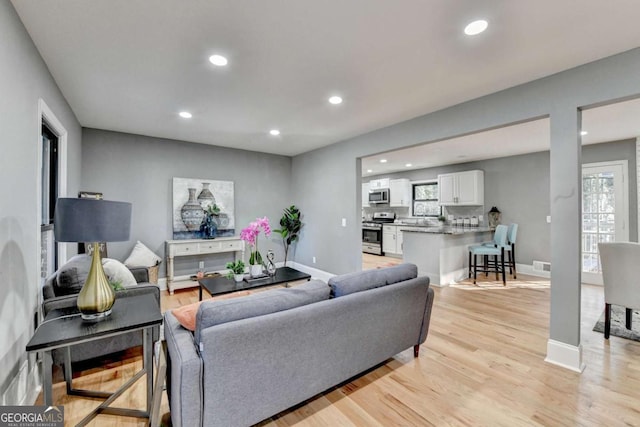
x,y
445,229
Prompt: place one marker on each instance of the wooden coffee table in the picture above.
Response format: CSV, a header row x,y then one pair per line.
x,y
222,285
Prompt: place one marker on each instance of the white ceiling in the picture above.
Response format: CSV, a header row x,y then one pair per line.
x,y
132,65
612,122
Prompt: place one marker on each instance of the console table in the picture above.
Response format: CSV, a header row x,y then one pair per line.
x,y
179,248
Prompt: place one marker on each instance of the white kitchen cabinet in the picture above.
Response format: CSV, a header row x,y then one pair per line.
x,y
379,184
461,189
389,239
365,194
399,193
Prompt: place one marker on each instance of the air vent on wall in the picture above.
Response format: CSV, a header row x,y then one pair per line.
x,y
541,266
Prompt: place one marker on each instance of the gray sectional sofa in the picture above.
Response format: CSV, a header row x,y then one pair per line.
x,y
253,357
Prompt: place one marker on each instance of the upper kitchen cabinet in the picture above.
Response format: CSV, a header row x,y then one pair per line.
x,y
399,193
461,189
365,194
379,184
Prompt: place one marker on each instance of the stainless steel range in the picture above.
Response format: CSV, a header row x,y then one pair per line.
x,y
372,232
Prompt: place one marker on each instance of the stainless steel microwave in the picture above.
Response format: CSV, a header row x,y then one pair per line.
x,y
379,196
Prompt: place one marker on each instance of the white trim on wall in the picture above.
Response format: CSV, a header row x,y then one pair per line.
x,y
45,114
638,183
565,355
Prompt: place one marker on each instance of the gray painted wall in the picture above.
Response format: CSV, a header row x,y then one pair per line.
x,y
559,97
519,187
24,79
139,169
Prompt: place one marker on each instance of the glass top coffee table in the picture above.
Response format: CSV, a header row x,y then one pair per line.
x,y
221,285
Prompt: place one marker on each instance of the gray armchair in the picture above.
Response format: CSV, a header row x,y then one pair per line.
x,y
59,301
621,277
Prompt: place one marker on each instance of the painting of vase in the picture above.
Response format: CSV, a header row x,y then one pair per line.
x,y
191,197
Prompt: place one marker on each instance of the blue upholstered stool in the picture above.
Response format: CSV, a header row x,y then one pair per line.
x,y
495,249
510,247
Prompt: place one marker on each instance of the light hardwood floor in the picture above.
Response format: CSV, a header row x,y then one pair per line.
x,y
482,365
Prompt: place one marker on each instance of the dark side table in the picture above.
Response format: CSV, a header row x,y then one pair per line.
x,y
129,313
221,285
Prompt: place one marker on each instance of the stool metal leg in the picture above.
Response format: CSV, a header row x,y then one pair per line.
x,y
504,275
470,267
475,267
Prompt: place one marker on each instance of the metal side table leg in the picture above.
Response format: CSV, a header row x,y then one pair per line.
x,y
47,380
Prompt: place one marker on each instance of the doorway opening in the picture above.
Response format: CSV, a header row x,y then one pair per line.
x,y
605,212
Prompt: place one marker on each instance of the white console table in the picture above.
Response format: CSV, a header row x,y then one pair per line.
x,y
179,248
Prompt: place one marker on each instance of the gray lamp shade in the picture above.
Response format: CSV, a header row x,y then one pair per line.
x,y
90,220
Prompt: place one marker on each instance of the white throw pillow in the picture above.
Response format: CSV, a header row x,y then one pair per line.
x,y
117,272
142,256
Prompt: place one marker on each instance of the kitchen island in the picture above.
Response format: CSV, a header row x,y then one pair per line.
x,y
441,252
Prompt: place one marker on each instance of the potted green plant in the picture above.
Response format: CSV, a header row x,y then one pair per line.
x,y
290,225
236,270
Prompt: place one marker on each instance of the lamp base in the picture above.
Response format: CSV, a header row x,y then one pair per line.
x,y
94,317
96,296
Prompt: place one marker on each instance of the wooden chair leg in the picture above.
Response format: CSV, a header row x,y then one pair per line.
x,y
486,266
607,320
469,264
475,267
504,273
416,350
510,261
513,259
629,318
495,264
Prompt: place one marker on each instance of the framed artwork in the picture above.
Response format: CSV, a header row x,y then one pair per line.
x,y
202,204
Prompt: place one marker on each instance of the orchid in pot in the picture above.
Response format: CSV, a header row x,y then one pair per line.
x,y
250,235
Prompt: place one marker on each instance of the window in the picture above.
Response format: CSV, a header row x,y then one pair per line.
x,y
425,199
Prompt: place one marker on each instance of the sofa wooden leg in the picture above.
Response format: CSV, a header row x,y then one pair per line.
x,y
416,350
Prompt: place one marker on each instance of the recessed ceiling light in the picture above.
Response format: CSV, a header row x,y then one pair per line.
x,y
383,160
185,114
218,60
274,132
408,165
584,132
369,170
335,100
476,27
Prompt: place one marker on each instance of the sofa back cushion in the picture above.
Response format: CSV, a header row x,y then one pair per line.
x,y
213,313
363,280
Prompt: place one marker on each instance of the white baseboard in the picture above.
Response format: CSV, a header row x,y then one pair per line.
x,y
529,271
565,355
314,272
25,387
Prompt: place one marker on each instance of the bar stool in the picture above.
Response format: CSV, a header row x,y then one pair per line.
x,y
496,249
510,247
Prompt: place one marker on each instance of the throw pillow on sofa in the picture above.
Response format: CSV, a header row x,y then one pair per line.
x,y
142,256
72,275
118,272
186,314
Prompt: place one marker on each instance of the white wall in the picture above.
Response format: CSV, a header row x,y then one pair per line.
x,y
24,78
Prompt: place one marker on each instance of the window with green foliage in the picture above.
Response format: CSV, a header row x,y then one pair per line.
x,y
425,200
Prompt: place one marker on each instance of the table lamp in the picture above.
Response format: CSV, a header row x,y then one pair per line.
x,y
93,221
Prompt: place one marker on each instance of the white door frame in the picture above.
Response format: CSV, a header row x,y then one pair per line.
x,y
593,278
45,115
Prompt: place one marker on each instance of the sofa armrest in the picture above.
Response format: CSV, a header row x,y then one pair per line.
x,y
184,374
141,274
426,320
63,303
